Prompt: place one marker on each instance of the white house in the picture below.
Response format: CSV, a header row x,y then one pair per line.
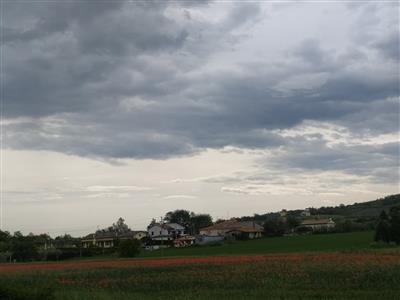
x,y
165,232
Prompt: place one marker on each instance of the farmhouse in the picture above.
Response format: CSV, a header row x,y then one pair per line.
x,y
234,228
318,224
165,232
106,239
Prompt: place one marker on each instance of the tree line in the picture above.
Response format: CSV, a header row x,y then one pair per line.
x,y
388,227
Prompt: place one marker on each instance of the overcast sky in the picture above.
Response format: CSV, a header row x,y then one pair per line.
x,y
133,109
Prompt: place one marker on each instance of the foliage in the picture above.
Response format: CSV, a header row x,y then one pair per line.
x,y
383,230
274,227
292,222
388,228
24,248
129,248
152,223
199,221
66,241
395,224
180,216
191,221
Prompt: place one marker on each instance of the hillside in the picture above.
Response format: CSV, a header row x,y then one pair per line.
x,y
364,209
362,212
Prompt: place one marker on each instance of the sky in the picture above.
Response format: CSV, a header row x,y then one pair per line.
x,y
135,108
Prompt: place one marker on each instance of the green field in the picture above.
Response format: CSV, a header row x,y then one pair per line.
x,y
308,279
351,270
288,244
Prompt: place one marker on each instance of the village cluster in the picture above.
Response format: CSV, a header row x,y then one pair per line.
x,y
163,235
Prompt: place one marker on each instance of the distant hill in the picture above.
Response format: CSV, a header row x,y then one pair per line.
x,y
365,211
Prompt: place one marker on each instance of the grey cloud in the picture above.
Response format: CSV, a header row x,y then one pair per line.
x,y
376,162
127,80
388,45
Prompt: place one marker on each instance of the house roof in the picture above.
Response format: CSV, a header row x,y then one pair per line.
x,y
107,235
317,222
173,226
246,226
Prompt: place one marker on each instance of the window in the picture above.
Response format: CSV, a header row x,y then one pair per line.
x,y
152,233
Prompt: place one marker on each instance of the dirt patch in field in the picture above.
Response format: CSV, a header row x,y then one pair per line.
x,y
340,258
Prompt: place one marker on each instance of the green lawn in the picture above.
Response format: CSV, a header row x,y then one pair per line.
x,y
288,244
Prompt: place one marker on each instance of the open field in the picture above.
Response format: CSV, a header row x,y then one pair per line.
x,y
304,243
291,276
330,266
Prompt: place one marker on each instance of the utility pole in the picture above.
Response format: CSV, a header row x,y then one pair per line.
x,y
162,239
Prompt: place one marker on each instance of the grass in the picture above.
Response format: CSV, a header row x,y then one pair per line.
x,y
289,244
310,278
265,280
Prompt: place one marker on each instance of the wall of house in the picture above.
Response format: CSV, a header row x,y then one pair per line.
x,y
157,231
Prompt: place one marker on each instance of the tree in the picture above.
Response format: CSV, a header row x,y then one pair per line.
x,y
199,221
152,223
66,241
129,248
120,226
395,224
179,216
292,222
274,227
383,229
23,248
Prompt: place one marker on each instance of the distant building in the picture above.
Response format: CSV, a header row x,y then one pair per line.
x,y
318,224
306,213
234,228
283,214
107,239
165,232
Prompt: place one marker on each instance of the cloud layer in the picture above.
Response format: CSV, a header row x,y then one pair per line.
x,y
155,80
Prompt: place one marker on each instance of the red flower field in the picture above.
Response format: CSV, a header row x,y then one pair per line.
x,y
340,258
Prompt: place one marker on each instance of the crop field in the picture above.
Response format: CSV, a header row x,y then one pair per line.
x,y
335,266
292,276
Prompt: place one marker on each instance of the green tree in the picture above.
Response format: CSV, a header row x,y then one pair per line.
x,y
395,224
292,222
152,223
24,248
129,248
199,221
383,229
179,216
120,226
274,227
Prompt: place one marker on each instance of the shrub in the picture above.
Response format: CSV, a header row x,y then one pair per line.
x,y
129,248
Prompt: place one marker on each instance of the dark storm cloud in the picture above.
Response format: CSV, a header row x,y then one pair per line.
x,y
133,80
